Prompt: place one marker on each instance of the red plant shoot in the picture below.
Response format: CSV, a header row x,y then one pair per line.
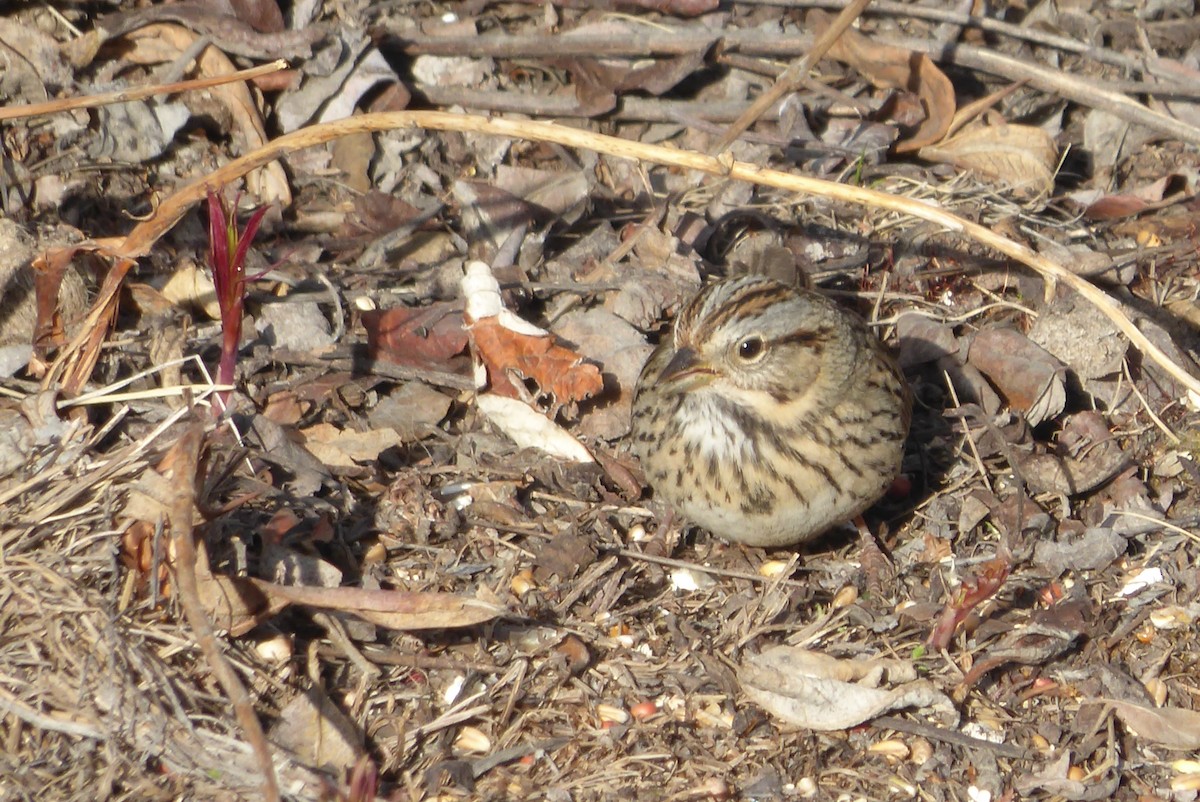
x,y
973,592
227,261
364,781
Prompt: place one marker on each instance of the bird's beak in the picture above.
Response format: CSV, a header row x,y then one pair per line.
x,y
686,370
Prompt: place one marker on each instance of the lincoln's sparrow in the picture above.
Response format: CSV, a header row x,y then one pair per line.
x,y
769,414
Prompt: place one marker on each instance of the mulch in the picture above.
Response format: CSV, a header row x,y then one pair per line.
x,y
425,551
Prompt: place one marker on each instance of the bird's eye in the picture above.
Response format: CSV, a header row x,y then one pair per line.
x,y
750,349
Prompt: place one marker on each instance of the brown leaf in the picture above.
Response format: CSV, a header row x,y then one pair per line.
x,y
564,556
555,191
48,271
922,340
891,67
422,337
411,411
1086,456
611,78
1172,727
574,653
286,408
376,213
1020,157
347,448
231,603
262,15
1166,191
1030,379
313,728
558,371
620,350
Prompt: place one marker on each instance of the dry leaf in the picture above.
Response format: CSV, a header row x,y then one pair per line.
x,y
318,732
814,690
1086,456
289,566
286,407
1172,727
1090,344
554,190
891,67
513,349
559,372
393,609
191,286
1020,157
1166,191
621,350
426,336
1029,378
231,603
1094,549
346,447
412,411
529,428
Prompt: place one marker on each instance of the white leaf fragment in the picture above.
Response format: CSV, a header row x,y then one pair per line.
x,y
814,690
482,292
529,428
689,581
1142,580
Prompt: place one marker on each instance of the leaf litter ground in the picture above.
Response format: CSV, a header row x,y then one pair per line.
x,y
390,576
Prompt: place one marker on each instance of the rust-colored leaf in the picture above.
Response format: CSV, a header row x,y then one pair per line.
x,y
48,271
428,336
558,371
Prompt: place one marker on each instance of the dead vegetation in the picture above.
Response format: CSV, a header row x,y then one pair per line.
x,y
415,544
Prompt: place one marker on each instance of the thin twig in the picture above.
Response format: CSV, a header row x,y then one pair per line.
x,y
12,705
1146,405
983,474
1024,33
950,736
686,40
126,95
183,505
1056,82
792,76
173,208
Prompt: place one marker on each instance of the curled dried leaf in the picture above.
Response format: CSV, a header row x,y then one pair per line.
x,y
814,690
1022,158
891,67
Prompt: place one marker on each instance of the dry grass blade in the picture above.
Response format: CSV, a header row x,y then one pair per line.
x,y
139,240
792,75
182,461
127,95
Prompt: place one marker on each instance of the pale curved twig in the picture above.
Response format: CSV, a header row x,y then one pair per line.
x,y
172,209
